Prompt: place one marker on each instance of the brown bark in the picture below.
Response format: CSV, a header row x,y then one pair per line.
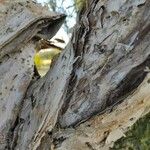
x,y
91,92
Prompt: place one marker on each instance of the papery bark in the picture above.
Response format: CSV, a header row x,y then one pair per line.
x,y
91,92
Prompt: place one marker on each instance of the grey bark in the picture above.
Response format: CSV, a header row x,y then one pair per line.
x,y
99,82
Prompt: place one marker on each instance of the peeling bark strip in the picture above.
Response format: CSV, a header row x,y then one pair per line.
x,y
114,51
22,23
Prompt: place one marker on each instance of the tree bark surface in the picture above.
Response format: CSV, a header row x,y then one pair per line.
x,y
96,89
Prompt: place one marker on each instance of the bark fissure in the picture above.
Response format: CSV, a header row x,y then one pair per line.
x,y
13,134
124,49
130,83
11,141
82,33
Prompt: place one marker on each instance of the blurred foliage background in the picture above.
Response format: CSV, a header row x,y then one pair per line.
x,y
46,50
137,138
43,59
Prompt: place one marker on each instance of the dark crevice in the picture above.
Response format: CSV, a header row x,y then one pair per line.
x,y
36,73
58,141
140,5
89,146
33,101
12,135
132,80
78,49
69,93
142,34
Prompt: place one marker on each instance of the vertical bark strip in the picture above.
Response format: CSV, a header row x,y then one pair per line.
x,y
22,23
113,50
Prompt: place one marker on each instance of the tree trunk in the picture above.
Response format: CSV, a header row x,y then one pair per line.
x,y
95,90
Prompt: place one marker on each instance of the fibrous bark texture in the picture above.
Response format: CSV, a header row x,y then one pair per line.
x,y
95,90
112,46
22,23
